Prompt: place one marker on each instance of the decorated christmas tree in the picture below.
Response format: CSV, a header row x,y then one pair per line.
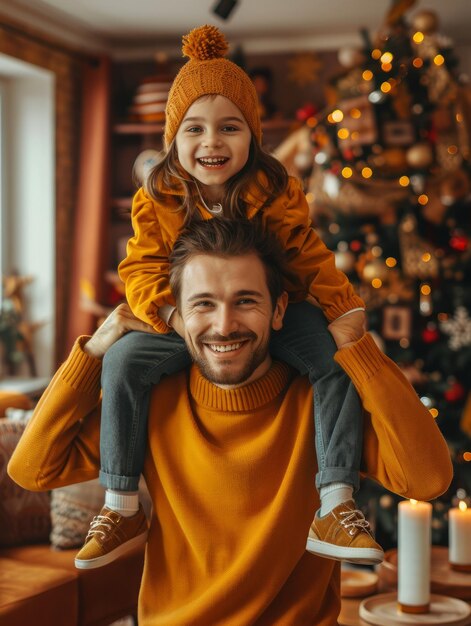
x,y
390,194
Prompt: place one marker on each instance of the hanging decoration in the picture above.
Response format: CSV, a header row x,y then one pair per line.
x,y
304,68
458,328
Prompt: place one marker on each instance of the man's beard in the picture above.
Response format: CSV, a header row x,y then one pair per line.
x,y
228,376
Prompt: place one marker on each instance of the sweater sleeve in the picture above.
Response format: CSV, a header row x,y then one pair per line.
x,y
311,264
144,271
60,444
403,447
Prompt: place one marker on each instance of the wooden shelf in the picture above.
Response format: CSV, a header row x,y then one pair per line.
x,y
138,128
121,208
121,203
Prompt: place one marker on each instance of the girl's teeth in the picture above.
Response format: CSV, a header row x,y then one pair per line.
x,y
210,161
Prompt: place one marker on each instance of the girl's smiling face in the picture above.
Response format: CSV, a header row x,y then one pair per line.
x,y
213,143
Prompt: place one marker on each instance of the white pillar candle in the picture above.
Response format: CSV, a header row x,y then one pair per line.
x,y
414,556
459,534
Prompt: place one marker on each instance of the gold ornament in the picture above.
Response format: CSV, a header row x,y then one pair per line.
x,y
394,159
426,22
375,269
420,156
350,57
448,156
454,187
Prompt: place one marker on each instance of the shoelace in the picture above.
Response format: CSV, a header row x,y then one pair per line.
x,y
354,519
97,523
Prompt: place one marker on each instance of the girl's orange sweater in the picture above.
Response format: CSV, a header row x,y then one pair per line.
x,y
231,477
157,225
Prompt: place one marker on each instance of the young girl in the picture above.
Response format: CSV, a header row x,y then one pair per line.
x,y
215,167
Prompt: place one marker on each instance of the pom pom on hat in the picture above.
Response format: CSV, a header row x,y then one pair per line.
x,y
204,43
209,72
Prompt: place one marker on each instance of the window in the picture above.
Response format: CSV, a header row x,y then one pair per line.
x,y
27,193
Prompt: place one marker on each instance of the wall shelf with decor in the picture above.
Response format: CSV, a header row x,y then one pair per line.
x,y
138,128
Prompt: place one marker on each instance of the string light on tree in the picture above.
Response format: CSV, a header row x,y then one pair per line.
x,y
392,159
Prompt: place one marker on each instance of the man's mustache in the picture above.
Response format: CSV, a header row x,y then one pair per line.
x,y
235,336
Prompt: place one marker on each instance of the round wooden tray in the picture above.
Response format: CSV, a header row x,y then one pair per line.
x,y
357,583
383,610
442,578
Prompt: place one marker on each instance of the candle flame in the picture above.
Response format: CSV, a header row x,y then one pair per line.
x,y
462,505
414,502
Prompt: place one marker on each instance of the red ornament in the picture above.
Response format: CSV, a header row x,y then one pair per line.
x,y
430,335
432,135
454,393
355,245
459,242
305,112
335,168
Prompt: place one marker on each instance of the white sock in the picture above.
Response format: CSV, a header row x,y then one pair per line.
x,y
334,494
126,503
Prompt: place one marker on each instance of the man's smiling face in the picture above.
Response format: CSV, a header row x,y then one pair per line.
x,y
228,315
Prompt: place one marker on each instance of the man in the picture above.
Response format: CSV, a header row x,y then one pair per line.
x,y
230,460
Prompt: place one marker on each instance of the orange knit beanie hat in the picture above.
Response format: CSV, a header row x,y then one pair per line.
x,y
208,72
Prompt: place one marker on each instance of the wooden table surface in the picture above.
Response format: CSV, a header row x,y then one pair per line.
x,y
349,613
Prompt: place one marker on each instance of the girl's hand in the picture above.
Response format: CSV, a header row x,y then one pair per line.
x,y
348,329
117,324
177,324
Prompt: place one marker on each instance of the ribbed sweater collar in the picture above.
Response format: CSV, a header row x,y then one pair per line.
x,y
246,398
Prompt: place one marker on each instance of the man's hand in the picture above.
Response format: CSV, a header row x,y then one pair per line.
x,y
117,324
348,329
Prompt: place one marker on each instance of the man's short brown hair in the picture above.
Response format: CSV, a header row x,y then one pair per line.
x,y
227,238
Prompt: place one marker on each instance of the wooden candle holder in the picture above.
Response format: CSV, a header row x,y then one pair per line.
x,y
383,610
444,579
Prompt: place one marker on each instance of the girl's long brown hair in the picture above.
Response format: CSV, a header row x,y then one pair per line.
x,y
170,174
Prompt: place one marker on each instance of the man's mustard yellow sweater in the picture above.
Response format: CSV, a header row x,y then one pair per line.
x,y
231,476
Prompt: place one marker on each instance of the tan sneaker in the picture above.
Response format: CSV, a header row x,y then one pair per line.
x,y
344,535
110,536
